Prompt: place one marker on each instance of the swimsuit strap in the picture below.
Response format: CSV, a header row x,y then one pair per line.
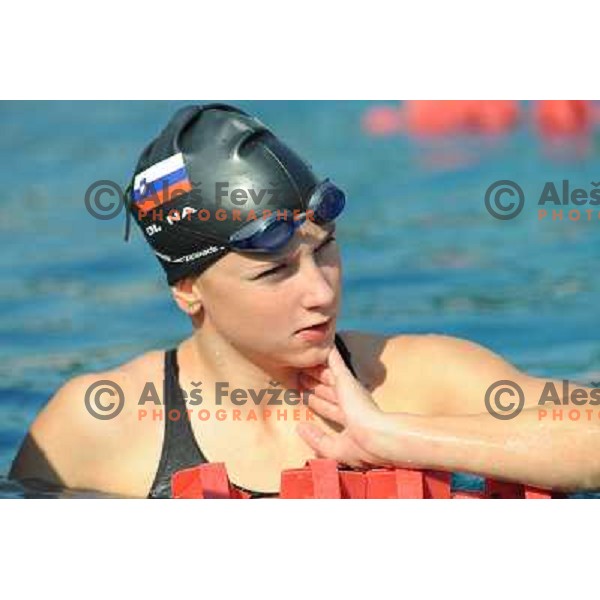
x,y
179,449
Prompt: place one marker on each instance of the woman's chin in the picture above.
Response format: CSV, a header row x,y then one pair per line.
x,y
315,356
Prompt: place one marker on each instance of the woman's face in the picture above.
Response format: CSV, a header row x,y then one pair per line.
x,y
260,304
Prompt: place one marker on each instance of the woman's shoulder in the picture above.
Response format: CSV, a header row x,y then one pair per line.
x,y
121,383
78,437
145,365
379,358
369,343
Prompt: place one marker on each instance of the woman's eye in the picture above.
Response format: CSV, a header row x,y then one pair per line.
x,y
272,271
282,267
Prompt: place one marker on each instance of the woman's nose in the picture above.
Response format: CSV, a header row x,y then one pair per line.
x,y
317,290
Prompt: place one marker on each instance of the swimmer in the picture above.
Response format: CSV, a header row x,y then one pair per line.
x,y
263,297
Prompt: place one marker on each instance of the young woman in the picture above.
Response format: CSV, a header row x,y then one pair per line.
x,y
245,232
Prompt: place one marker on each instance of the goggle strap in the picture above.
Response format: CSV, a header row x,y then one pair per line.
x,y
127,203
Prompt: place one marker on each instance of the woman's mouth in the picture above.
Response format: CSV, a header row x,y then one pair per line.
x,y
315,333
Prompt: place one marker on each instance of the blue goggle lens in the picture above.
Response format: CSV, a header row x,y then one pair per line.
x,y
275,234
327,203
330,204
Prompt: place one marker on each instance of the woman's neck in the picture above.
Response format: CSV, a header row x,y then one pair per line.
x,y
214,360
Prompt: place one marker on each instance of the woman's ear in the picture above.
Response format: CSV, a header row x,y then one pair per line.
x,y
187,295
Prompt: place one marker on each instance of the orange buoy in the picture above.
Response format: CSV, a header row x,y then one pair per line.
x,y
563,117
441,117
382,120
493,116
434,117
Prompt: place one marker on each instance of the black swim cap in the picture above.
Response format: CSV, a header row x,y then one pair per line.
x,y
208,158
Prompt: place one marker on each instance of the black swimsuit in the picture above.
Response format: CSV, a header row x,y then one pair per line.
x,y
180,450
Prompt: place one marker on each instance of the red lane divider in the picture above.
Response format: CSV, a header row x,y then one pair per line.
x,y
353,485
322,478
381,483
208,480
395,483
468,495
502,489
297,483
326,478
437,484
187,483
532,493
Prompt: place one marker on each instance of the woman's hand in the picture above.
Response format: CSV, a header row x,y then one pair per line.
x,y
340,398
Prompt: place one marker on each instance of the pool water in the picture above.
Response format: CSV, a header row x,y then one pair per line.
x,y
420,251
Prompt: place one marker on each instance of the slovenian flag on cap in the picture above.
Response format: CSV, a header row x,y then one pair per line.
x,y
160,183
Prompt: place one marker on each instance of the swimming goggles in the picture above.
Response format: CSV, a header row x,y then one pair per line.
x,y
273,233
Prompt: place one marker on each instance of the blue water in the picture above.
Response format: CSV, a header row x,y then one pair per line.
x,y
420,251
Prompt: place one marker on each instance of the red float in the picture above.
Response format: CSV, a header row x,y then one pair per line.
x,y
323,478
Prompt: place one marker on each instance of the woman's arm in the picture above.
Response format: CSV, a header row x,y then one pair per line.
x,y
528,448
560,455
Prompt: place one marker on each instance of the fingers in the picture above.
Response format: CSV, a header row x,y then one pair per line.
x,y
323,400
355,397
327,410
345,391
338,367
323,444
327,445
324,391
335,372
